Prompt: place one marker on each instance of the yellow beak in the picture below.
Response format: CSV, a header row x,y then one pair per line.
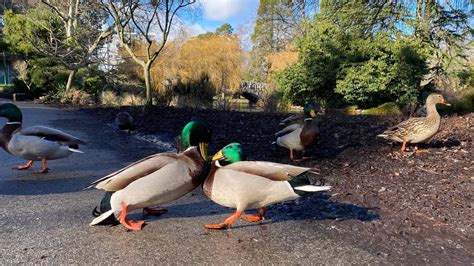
x,y
445,103
203,150
218,156
312,113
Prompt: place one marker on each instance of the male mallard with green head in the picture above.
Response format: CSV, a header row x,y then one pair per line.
x,y
243,185
156,179
299,117
300,136
34,143
417,129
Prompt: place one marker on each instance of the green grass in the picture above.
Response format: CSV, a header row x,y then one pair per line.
x,y
350,110
390,108
6,88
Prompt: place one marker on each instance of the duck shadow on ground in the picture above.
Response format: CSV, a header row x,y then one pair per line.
x,y
448,143
41,187
316,207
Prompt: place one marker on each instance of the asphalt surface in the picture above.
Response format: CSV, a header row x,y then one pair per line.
x,y
45,218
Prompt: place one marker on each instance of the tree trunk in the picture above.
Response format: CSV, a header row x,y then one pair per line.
x,y
70,19
70,79
27,85
147,75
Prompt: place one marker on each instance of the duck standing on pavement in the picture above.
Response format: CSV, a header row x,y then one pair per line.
x,y
154,180
243,185
34,143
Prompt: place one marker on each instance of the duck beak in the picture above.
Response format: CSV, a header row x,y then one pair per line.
x,y
203,150
218,156
445,103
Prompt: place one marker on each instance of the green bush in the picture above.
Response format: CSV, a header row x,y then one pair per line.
x,y
344,65
390,108
392,71
321,54
93,84
466,102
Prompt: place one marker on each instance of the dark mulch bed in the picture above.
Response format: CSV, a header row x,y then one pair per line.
x,y
404,206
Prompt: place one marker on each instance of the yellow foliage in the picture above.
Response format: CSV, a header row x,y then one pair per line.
x,y
109,98
280,60
218,57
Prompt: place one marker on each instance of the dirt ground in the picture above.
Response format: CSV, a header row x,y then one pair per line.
x,y
415,208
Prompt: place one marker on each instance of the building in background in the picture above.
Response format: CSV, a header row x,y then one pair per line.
x,y
6,71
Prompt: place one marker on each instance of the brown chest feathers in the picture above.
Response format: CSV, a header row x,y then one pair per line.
x,y
6,134
310,133
198,167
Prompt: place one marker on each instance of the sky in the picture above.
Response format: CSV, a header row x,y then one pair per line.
x,y
239,13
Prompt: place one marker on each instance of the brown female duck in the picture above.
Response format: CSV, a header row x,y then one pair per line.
x,y
417,129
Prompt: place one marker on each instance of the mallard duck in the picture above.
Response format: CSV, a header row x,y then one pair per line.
x,y
156,179
300,136
299,117
34,143
177,140
124,121
417,129
235,183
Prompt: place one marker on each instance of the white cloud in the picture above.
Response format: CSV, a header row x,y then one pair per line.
x,y
219,10
195,29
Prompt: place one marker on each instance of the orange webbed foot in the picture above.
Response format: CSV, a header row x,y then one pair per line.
x,y
42,171
253,218
132,225
227,223
217,226
45,168
417,151
24,167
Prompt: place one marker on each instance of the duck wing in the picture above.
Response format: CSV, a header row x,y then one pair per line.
x,y
288,130
269,170
405,128
291,119
123,177
51,134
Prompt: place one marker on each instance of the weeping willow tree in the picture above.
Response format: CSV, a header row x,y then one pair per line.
x,y
150,22
201,66
220,57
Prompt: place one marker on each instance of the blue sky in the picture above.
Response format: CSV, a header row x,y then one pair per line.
x,y
239,13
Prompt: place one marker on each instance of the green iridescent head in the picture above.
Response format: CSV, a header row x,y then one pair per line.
x,y
311,109
230,154
11,112
196,133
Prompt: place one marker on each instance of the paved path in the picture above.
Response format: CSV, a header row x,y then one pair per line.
x,y
44,218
